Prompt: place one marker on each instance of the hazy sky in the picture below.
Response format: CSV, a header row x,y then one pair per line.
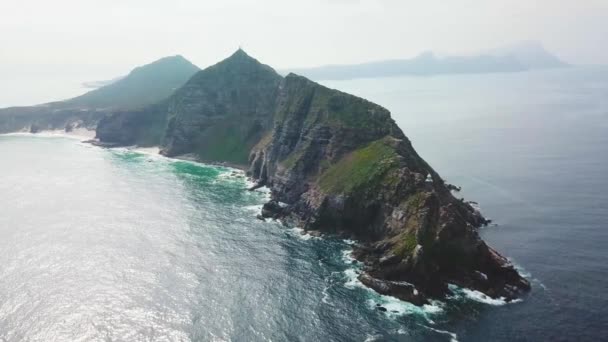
x,y
106,38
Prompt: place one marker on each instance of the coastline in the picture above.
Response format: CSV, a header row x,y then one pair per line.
x,y
352,273
77,133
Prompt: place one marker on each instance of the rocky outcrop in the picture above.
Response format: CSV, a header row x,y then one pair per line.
x,y
339,164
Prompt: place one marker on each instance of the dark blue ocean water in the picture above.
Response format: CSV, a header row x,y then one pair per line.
x,y
118,245
532,149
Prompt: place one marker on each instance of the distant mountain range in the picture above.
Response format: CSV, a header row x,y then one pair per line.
x,y
522,56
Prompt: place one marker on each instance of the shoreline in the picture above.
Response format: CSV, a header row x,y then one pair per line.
x,y
77,133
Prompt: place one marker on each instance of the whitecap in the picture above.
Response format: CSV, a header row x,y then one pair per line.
x,y
371,338
301,233
349,242
352,279
478,296
453,336
80,134
347,257
394,306
256,209
325,292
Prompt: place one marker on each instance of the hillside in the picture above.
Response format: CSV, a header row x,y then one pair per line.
x,y
144,85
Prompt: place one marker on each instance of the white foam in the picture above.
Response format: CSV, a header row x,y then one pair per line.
x,y
256,209
393,305
396,307
349,242
347,256
372,338
79,133
301,234
478,296
325,292
352,279
453,336
153,150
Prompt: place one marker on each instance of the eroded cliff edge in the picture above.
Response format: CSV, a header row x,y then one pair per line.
x,y
336,163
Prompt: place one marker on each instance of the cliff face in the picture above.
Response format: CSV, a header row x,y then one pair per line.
x,y
142,127
340,164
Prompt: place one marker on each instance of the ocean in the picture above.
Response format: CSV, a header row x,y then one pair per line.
x,y
122,245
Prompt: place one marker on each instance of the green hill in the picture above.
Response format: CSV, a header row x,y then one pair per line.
x,y
144,85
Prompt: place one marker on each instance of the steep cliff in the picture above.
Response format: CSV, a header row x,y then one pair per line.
x,y
338,164
142,127
342,165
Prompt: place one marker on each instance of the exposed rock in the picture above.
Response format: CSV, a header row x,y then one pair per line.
x,y
400,289
273,210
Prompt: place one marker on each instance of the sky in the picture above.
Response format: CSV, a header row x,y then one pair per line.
x,y
84,40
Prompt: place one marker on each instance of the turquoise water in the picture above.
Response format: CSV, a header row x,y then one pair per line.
x,y
115,245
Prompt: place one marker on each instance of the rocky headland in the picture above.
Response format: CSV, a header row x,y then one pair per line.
x,y
335,163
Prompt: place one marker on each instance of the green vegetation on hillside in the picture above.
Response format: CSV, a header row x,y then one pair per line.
x,y
406,243
360,167
224,143
145,85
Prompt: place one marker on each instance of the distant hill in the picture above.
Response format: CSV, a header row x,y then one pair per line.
x,y
519,57
144,85
531,54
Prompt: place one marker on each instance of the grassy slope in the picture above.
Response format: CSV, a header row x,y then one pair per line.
x,y
363,167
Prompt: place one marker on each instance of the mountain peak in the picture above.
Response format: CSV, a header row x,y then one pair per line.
x,y
238,62
239,55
